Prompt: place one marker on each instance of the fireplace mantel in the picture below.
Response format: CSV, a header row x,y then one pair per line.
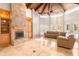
x,y
19,28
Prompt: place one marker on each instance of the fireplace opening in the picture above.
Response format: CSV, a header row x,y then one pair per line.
x,y
19,34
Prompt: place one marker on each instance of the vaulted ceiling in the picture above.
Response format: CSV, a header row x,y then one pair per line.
x,y
50,7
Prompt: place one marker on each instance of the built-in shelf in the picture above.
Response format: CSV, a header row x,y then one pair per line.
x,y
5,26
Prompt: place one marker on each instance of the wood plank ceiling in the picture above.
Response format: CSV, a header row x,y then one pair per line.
x,y
43,8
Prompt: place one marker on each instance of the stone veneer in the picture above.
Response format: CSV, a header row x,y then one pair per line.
x,y
18,19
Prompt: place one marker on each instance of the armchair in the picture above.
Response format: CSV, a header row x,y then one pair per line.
x,y
67,42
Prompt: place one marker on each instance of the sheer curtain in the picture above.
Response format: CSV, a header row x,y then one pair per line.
x,y
44,24
57,22
35,22
54,23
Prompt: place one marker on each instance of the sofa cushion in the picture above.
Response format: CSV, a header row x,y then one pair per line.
x,y
70,36
51,32
62,33
67,34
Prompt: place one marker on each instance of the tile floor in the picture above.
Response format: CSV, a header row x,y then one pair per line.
x,y
38,47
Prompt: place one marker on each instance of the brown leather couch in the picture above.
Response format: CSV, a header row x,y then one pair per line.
x,y
52,34
67,42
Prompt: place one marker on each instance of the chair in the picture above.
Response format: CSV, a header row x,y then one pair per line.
x,y
66,42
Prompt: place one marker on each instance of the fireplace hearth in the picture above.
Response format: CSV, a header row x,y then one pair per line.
x,y
19,34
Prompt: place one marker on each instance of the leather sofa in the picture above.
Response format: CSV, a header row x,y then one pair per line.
x,y
66,42
52,34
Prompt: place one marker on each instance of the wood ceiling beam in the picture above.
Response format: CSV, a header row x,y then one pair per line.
x,y
48,9
62,6
44,8
34,6
48,6
39,6
76,3
51,6
28,5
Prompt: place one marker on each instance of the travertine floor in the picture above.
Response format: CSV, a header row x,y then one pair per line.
x,y
38,47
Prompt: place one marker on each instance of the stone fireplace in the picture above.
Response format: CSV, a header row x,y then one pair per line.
x,y
18,25
18,36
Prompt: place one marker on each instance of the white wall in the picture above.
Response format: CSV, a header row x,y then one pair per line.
x,y
28,13
35,20
44,24
5,6
57,22
71,19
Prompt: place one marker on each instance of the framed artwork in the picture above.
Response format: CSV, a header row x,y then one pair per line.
x,y
67,27
75,27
